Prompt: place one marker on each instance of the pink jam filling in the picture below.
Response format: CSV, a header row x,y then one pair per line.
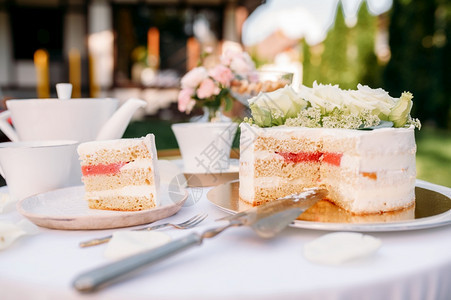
x,y
332,158
327,157
102,169
300,156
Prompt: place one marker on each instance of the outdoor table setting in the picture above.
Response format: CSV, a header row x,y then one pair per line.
x,y
195,236
408,264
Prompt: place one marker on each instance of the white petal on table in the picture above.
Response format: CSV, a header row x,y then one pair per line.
x,y
6,204
339,247
9,232
125,243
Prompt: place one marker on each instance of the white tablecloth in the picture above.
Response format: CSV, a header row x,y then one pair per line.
x,y
235,265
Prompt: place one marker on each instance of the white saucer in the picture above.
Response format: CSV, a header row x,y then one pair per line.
x,y
233,167
206,179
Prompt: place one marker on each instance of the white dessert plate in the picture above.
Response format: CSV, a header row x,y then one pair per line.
x,y
431,209
210,179
66,209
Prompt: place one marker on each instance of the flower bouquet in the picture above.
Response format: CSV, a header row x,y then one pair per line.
x,y
211,88
205,146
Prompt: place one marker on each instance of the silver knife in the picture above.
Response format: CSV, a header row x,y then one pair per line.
x,y
266,220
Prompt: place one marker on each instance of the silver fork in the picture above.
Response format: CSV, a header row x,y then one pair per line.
x,y
190,223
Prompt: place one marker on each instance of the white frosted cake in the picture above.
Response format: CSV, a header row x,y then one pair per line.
x,y
365,171
120,174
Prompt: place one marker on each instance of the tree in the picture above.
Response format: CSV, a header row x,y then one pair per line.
x,y
419,39
334,66
363,36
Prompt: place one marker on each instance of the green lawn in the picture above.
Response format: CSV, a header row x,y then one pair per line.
x,y
164,137
433,147
434,156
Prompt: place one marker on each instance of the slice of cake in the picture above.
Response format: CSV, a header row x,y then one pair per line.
x,y
120,174
344,141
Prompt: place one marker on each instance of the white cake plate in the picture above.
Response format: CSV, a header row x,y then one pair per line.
x,y
66,209
432,209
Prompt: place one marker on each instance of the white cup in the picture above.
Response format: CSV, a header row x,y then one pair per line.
x,y
35,167
205,147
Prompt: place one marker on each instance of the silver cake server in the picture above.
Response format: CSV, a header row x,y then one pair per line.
x,y
266,220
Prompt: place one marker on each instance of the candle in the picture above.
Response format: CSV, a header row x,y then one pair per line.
x,y
193,53
75,72
41,62
153,47
94,88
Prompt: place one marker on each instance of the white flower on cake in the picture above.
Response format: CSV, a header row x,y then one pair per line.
x,y
274,108
378,100
329,106
400,113
326,97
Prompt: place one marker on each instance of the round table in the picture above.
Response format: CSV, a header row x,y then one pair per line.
x,y
235,265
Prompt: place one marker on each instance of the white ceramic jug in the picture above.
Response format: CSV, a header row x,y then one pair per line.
x,y
84,119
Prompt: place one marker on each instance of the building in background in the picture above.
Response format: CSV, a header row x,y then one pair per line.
x,y
104,44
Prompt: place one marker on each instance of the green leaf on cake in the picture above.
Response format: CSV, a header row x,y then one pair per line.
x,y
400,113
274,108
382,124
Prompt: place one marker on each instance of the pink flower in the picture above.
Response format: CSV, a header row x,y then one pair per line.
x,y
222,74
207,89
185,99
242,65
194,77
239,62
229,55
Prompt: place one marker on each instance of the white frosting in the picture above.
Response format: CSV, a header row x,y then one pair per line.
x,y
149,141
138,164
90,147
247,159
131,190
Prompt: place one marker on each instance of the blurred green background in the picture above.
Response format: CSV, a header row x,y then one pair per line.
x,y
417,60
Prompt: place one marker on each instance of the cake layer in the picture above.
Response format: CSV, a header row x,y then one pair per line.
x,y
112,201
115,151
294,144
363,163
125,178
279,168
365,201
300,139
261,195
